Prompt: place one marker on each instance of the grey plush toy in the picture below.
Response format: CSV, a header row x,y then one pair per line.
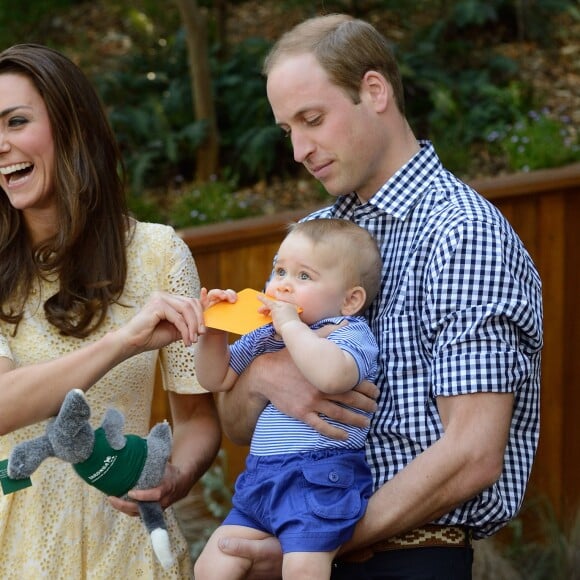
x,y
105,458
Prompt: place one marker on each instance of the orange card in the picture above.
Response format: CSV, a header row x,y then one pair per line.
x,y
240,317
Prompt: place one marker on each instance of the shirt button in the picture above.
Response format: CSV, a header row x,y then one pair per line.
x,y
333,476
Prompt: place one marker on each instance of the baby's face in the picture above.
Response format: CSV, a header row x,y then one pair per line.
x,y
310,276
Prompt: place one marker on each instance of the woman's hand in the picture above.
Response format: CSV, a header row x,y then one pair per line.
x,y
165,318
196,441
165,494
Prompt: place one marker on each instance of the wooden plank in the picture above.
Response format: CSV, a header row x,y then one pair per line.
x,y
571,361
534,182
547,473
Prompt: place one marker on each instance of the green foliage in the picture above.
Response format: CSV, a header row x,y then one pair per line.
x,y
209,203
553,553
150,109
459,86
537,141
496,20
146,208
462,115
474,12
33,19
456,94
460,89
251,144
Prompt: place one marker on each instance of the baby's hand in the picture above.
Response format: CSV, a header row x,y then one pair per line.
x,y
210,297
281,312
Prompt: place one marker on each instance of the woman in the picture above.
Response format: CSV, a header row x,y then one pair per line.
x,y
89,299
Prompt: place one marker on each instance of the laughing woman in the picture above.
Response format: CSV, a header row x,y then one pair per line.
x,y
89,299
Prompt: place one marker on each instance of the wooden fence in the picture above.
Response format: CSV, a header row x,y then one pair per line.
x,y
544,208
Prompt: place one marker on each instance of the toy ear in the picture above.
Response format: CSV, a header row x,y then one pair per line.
x,y
27,456
112,425
71,434
73,415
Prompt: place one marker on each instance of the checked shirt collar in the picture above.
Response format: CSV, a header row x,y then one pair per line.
x,y
401,192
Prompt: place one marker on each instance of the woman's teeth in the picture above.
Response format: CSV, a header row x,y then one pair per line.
x,y
16,171
13,168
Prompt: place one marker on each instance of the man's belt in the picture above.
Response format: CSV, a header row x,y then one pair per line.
x,y
428,536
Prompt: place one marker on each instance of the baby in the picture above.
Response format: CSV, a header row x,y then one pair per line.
x,y
305,489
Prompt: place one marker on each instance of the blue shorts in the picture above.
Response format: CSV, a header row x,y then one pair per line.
x,y
310,501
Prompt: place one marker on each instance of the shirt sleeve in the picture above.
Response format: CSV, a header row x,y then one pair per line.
x,y
180,277
251,345
357,339
483,312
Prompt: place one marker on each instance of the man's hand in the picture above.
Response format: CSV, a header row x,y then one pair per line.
x,y
265,555
314,409
299,399
259,383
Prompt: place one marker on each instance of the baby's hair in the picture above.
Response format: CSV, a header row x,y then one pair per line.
x,y
355,249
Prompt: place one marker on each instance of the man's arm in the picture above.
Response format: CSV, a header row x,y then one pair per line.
x,y
260,382
466,460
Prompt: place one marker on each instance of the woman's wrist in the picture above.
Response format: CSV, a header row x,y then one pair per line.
x,y
117,342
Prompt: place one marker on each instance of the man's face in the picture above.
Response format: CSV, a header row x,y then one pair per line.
x,y
334,138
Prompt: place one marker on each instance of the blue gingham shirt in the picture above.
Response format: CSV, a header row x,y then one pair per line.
x,y
460,311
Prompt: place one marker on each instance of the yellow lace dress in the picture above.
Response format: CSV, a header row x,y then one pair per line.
x,y
62,528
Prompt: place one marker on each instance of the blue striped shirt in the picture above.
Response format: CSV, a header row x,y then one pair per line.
x,y
278,433
460,311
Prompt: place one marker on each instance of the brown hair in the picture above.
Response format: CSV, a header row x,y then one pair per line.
x,y
346,48
355,248
88,252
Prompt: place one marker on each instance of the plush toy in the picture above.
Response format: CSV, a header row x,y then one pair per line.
x,y
105,458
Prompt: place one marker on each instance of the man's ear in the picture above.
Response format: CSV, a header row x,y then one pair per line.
x,y
377,89
354,300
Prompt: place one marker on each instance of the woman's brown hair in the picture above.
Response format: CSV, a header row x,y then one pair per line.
x,y
88,252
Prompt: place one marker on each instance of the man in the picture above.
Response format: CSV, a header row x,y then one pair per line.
x,y
458,319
